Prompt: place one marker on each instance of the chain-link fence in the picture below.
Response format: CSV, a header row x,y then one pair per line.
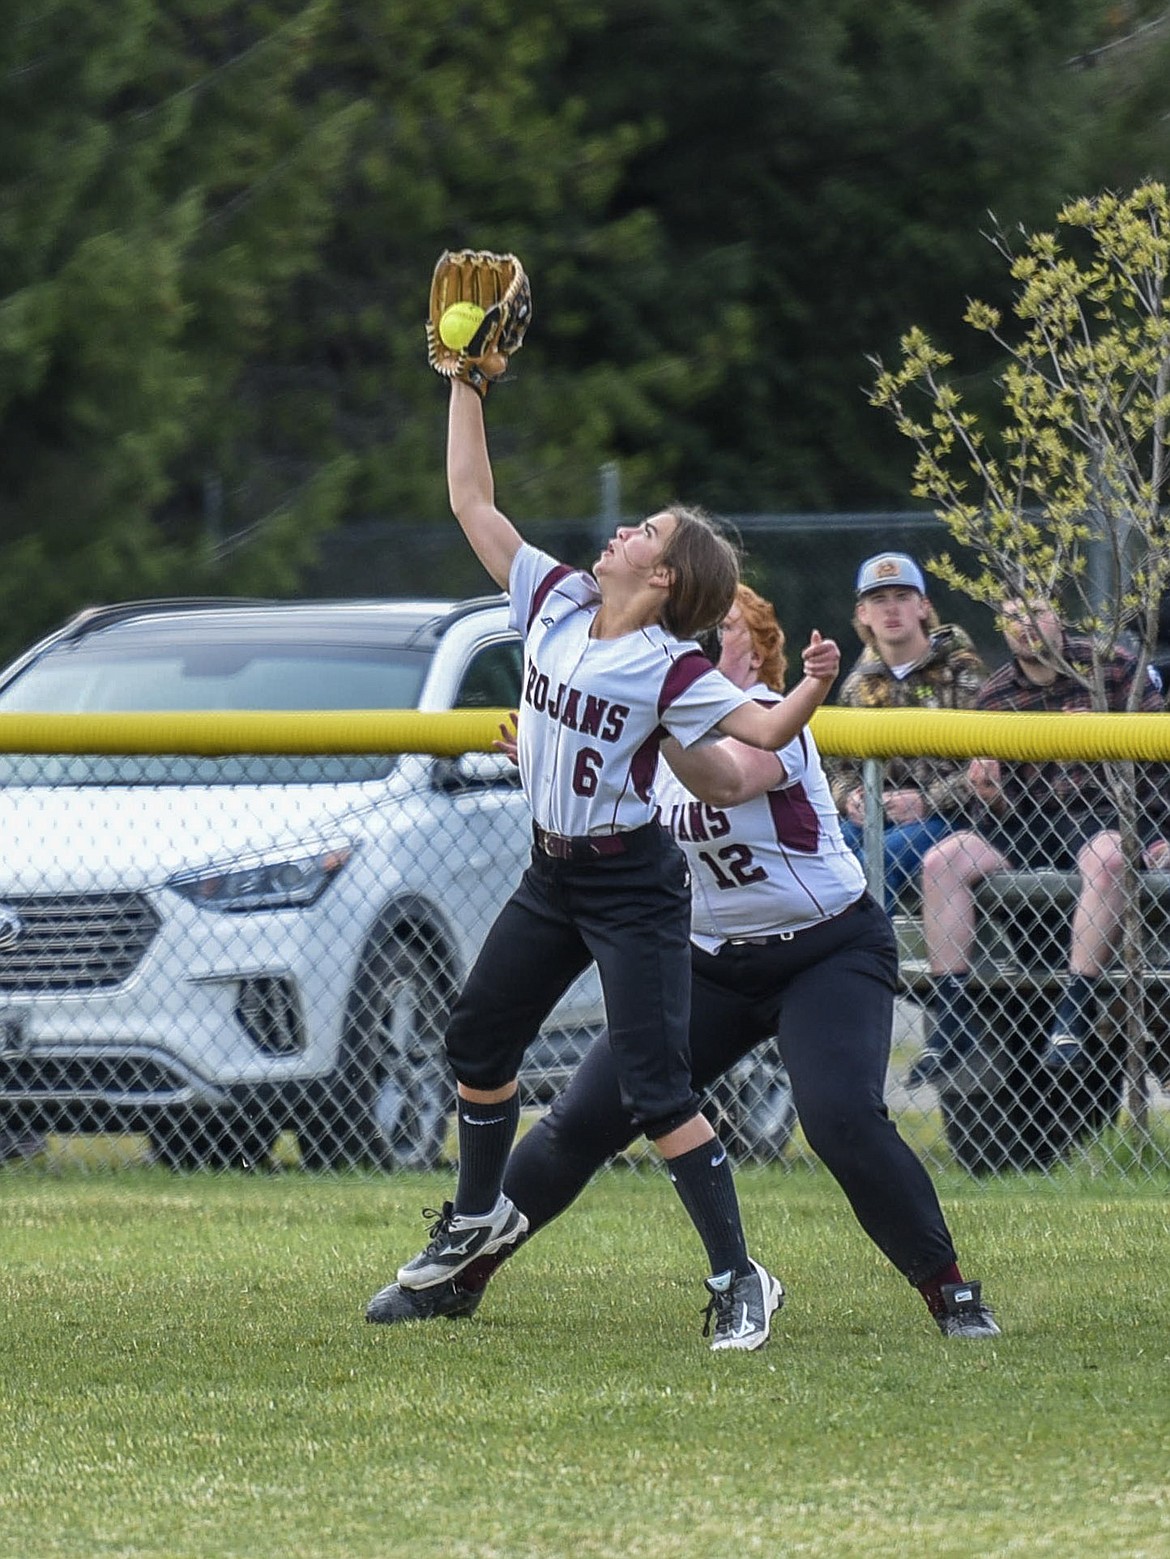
x,y
227,960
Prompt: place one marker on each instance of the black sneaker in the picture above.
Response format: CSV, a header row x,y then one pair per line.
x,y
937,1062
1064,1053
742,1308
395,1303
965,1315
1073,1027
457,1239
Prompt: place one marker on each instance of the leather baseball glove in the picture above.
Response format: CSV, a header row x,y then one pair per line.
x,y
480,307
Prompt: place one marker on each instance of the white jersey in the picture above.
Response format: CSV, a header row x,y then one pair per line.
x,y
776,863
593,712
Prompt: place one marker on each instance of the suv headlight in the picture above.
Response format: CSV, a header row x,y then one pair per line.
x,y
291,883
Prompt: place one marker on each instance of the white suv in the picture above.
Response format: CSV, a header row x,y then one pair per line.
x,y
213,951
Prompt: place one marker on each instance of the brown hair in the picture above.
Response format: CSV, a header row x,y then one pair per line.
x,y
767,636
705,566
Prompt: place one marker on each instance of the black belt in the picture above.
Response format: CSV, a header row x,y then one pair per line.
x,y
581,847
787,936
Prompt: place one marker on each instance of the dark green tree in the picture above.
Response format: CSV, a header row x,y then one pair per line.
x,y
725,209
161,187
218,220
812,173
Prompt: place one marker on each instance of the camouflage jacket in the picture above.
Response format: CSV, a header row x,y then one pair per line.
x,y
948,676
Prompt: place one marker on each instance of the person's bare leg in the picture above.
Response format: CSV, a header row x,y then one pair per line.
x,y
1100,907
950,872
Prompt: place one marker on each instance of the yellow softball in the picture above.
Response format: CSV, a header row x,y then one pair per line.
x,y
458,324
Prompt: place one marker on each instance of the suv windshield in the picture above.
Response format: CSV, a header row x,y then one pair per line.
x,y
207,670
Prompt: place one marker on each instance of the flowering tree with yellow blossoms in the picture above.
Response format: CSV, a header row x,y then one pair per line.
x,y
1067,499
1082,459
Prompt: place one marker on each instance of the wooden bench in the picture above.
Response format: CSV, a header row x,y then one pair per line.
x,y
1022,924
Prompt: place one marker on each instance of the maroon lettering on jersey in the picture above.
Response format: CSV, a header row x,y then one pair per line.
x,y
695,822
569,712
718,823
682,673
615,722
676,823
591,719
541,593
537,694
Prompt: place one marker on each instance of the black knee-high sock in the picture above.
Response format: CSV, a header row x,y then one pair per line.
x,y
546,1171
486,1134
702,1178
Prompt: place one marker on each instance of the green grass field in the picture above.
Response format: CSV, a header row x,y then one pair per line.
x,y
186,1372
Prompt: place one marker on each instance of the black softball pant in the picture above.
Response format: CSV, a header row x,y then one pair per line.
x,y
631,914
828,996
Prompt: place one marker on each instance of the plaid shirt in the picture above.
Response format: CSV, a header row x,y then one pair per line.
x,y
1080,788
948,676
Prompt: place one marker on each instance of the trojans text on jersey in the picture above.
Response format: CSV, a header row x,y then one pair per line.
x,y
694,821
579,711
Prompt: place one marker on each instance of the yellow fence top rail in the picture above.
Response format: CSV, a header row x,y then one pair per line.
x,y
859,733
219,733
962,733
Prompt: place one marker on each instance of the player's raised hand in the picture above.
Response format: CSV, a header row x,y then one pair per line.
x,y
821,657
508,738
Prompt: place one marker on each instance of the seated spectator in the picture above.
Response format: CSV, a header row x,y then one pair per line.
x,y
909,661
1036,815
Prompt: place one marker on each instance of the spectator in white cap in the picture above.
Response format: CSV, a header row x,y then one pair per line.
x,y
909,660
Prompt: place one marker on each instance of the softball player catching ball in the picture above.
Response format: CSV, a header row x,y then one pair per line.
x,y
610,669
785,941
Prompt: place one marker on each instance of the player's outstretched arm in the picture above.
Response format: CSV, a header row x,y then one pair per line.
x,y
775,725
724,773
471,486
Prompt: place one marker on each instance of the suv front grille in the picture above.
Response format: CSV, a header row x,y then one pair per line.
x,y
88,1077
73,942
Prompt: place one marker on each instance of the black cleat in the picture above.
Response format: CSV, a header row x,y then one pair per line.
x,y
965,1315
446,1300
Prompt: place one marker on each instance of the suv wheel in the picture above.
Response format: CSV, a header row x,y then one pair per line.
x,y
391,1097
753,1109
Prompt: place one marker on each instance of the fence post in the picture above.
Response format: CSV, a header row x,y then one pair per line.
x,y
873,773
